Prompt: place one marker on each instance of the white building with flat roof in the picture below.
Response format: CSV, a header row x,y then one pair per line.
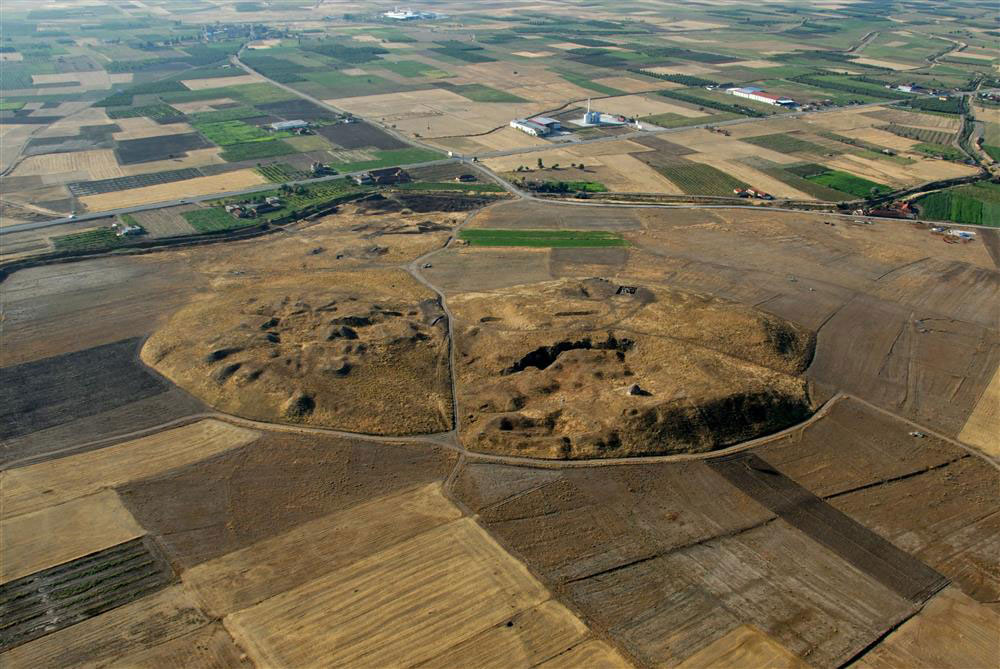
x,y
530,127
289,125
757,95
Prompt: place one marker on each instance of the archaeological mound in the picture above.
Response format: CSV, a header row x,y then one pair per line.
x,y
593,368
359,351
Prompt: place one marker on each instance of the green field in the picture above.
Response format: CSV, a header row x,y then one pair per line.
x,y
10,106
158,111
226,133
215,220
255,150
412,68
335,84
249,94
302,197
841,181
282,172
939,150
542,238
585,82
232,114
481,93
573,187
697,179
98,239
671,120
977,204
786,143
797,182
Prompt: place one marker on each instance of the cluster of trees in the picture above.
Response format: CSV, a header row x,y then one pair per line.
x,y
685,79
713,104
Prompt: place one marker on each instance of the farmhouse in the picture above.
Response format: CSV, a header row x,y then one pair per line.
x,y
383,177
758,95
289,125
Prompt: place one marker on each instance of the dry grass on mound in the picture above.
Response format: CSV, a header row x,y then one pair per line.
x,y
546,370
364,351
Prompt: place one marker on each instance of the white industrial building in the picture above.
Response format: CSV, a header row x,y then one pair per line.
x,y
288,125
537,127
408,15
592,118
758,95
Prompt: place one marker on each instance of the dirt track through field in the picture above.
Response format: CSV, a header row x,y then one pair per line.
x,y
895,569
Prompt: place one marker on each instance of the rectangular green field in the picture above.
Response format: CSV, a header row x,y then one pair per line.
x,y
412,68
542,238
481,93
698,179
786,143
848,183
977,204
215,220
585,82
226,133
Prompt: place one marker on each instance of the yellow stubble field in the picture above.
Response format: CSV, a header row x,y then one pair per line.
x,y
218,183
36,487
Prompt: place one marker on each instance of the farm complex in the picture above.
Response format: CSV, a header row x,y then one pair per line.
x,y
493,335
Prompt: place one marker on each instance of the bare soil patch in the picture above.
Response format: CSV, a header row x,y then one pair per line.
x,y
42,394
148,149
359,135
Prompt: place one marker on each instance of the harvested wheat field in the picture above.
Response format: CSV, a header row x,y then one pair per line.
x,y
982,429
220,183
474,584
951,632
248,576
40,539
194,158
293,350
745,646
39,486
142,127
98,164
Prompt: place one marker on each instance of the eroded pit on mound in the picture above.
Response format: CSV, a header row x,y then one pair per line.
x,y
336,351
575,369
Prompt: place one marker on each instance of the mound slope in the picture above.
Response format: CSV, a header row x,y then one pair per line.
x,y
575,369
361,351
